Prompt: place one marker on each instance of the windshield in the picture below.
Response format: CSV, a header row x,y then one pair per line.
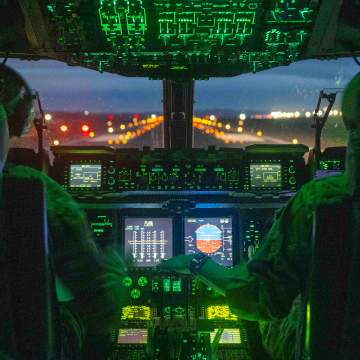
x,y
276,106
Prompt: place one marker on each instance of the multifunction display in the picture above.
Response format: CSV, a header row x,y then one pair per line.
x,y
211,236
132,336
148,240
86,176
229,336
265,175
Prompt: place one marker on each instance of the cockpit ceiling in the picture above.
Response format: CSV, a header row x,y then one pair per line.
x,y
163,39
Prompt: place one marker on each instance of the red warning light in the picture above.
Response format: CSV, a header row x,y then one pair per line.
x,y
63,128
136,116
111,117
85,128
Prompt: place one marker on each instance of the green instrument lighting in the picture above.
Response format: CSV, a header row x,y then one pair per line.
x,y
142,281
135,293
219,312
177,285
135,313
127,281
167,285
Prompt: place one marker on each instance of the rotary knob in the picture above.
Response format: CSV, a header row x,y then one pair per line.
x,y
111,170
111,181
143,179
292,181
291,169
172,178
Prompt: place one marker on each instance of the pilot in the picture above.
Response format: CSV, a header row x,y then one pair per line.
x,y
89,281
267,287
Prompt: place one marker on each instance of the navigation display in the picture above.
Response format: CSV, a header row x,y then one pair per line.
x,y
132,336
229,336
148,240
265,175
86,176
211,236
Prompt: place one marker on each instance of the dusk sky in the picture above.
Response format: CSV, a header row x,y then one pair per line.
x,y
292,88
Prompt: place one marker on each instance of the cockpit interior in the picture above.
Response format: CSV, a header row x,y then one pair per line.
x,y
180,181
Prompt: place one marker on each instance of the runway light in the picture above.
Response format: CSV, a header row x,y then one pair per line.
x,y
85,128
117,141
240,129
110,129
153,116
335,112
91,134
63,128
242,116
259,133
308,114
48,117
124,142
122,127
297,114
295,141
56,142
110,142
227,127
212,117
331,112
320,112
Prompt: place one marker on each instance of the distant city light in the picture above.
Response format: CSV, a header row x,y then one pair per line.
x,y
240,129
227,127
219,124
111,117
85,128
63,128
124,142
48,117
295,141
91,134
56,142
86,112
122,127
297,114
110,142
110,129
259,133
153,116
308,114
241,122
109,123
117,141
212,117
242,116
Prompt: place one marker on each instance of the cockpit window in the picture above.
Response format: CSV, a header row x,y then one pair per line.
x,y
85,107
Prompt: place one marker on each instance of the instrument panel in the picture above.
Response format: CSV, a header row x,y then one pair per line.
x,y
256,169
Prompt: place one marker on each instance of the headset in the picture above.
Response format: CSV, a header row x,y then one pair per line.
x,y
17,103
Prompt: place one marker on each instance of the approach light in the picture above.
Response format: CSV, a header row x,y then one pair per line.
x,y
297,114
48,117
335,112
331,112
110,129
242,116
85,128
240,129
63,128
227,127
295,141
56,142
308,114
320,112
